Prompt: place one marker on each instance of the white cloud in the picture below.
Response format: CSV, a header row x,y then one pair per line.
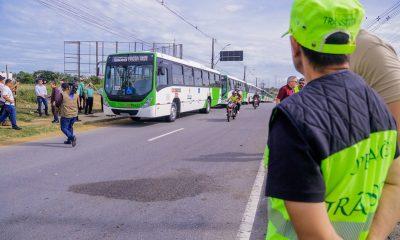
x,y
233,7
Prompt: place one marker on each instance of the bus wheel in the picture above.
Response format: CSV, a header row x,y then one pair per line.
x,y
135,119
207,109
174,113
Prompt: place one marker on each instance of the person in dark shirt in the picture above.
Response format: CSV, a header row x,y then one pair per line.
x,y
333,160
55,94
287,90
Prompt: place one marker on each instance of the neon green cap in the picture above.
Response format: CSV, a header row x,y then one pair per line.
x,y
313,21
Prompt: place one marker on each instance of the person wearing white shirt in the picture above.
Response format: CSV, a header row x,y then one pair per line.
x,y
41,97
9,105
2,101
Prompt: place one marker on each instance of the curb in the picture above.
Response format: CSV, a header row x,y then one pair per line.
x,y
104,119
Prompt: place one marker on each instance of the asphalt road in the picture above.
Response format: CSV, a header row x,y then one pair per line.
x,y
131,181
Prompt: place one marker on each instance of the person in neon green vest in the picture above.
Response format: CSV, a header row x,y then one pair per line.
x,y
332,156
300,86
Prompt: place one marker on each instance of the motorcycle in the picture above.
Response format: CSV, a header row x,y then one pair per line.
x,y
231,111
256,103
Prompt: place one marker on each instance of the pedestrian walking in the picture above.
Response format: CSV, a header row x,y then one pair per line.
x,y
9,110
331,167
55,94
89,94
41,97
68,112
287,90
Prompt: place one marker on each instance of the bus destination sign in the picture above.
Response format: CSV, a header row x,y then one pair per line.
x,y
131,59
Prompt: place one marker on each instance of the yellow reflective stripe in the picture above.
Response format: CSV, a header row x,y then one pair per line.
x,y
353,230
347,230
283,227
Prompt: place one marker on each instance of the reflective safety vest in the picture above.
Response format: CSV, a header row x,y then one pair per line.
x,y
352,198
296,89
359,152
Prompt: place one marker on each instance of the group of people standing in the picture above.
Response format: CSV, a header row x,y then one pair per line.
x,y
292,86
66,101
84,101
7,102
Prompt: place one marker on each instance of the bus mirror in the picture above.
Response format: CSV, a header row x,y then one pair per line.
x,y
162,71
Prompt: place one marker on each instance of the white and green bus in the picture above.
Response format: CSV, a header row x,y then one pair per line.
x,y
153,85
230,84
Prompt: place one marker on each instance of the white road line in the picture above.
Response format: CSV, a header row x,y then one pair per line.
x,y
246,226
155,138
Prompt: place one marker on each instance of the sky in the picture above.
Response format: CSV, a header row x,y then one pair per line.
x,y
32,35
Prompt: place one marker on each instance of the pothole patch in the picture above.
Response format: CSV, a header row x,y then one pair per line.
x,y
170,188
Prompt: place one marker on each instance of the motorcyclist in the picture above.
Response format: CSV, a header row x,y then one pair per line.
x,y
239,101
256,97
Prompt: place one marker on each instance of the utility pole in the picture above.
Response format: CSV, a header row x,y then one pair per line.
x,y
97,59
256,82
79,59
212,53
6,71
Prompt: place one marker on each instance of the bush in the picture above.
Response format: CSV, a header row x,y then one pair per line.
x,y
95,80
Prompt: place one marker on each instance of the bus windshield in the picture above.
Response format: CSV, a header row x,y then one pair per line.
x,y
128,82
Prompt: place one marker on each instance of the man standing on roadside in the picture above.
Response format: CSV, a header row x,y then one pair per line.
x,y
9,105
287,90
55,94
69,112
339,179
41,97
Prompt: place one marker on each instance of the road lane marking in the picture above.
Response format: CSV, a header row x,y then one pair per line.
x,y
161,136
246,225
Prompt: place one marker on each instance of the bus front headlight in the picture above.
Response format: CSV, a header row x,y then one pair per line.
x,y
147,103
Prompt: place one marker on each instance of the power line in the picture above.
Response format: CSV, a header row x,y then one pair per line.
x,y
379,17
76,13
183,19
385,17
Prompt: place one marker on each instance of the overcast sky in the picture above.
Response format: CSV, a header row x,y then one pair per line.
x,y
32,35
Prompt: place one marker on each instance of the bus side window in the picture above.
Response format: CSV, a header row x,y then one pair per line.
x,y
197,78
206,79
217,80
188,75
162,80
177,74
212,79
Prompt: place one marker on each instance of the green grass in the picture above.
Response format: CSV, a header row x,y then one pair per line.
x,y
28,119
8,134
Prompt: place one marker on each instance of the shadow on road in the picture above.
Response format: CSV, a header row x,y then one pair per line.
x,y
213,119
47,144
228,157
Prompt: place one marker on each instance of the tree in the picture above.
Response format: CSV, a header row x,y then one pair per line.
x,y
25,77
46,75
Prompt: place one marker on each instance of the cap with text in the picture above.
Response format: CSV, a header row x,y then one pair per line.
x,y
313,21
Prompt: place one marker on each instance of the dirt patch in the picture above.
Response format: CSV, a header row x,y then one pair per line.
x,y
169,188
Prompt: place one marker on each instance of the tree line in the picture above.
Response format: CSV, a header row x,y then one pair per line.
x,y
26,77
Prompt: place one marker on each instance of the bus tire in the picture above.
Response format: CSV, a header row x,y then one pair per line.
x,y
207,109
174,112
135,119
